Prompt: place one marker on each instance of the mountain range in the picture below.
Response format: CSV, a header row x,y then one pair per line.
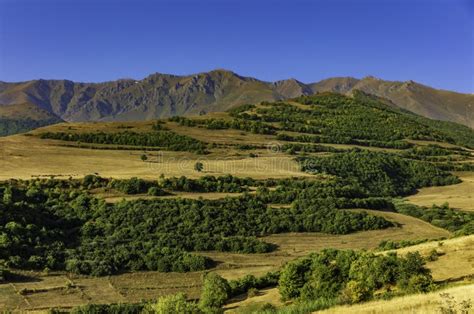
x,y
164,95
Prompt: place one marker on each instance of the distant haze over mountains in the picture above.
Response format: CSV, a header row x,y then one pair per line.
x,y
164,95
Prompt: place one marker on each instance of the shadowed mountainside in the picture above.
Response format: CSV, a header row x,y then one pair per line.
x,y
23,117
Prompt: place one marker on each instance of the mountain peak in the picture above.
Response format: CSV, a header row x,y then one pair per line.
x,y
291,88
371,78
158,74
222,71
288,81
163,95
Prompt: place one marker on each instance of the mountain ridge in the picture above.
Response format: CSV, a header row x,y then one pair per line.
x,y
162,95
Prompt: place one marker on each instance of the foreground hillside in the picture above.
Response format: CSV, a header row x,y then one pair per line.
x,y
163,95
68,290
121,212
457,259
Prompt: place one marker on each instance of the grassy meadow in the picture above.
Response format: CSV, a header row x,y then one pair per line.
x,y
460,196
419,303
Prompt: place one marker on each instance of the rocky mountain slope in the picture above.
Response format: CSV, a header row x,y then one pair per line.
x,y
163,95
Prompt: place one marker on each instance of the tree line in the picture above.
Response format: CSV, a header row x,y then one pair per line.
x,y
166,140
347,276
256,127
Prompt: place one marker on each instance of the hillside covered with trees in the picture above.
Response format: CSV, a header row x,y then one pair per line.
x,y
350,153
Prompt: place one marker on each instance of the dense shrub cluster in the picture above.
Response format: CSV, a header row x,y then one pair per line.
x,y
128,186
441,216
36,226
104,257
215,292
450,166
350,276
56,224
226,224
218,124
343,193
45,227
128,308
435,153
385,245
175,303
244,284
308,148
166,140
379,174
227,183
136,186
343,140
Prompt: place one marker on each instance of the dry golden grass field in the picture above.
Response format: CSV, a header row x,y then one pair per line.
x,y
418,303
264,296
460,196
24,157
27,156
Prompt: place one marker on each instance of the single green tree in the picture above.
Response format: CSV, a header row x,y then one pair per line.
x,y
144,157
155,191
198,166
292,278
214,294
176,303
356,291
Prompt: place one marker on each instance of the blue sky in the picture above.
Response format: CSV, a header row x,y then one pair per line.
x,y
429,41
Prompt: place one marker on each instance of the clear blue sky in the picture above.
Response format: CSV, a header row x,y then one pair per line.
x,y
429,41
